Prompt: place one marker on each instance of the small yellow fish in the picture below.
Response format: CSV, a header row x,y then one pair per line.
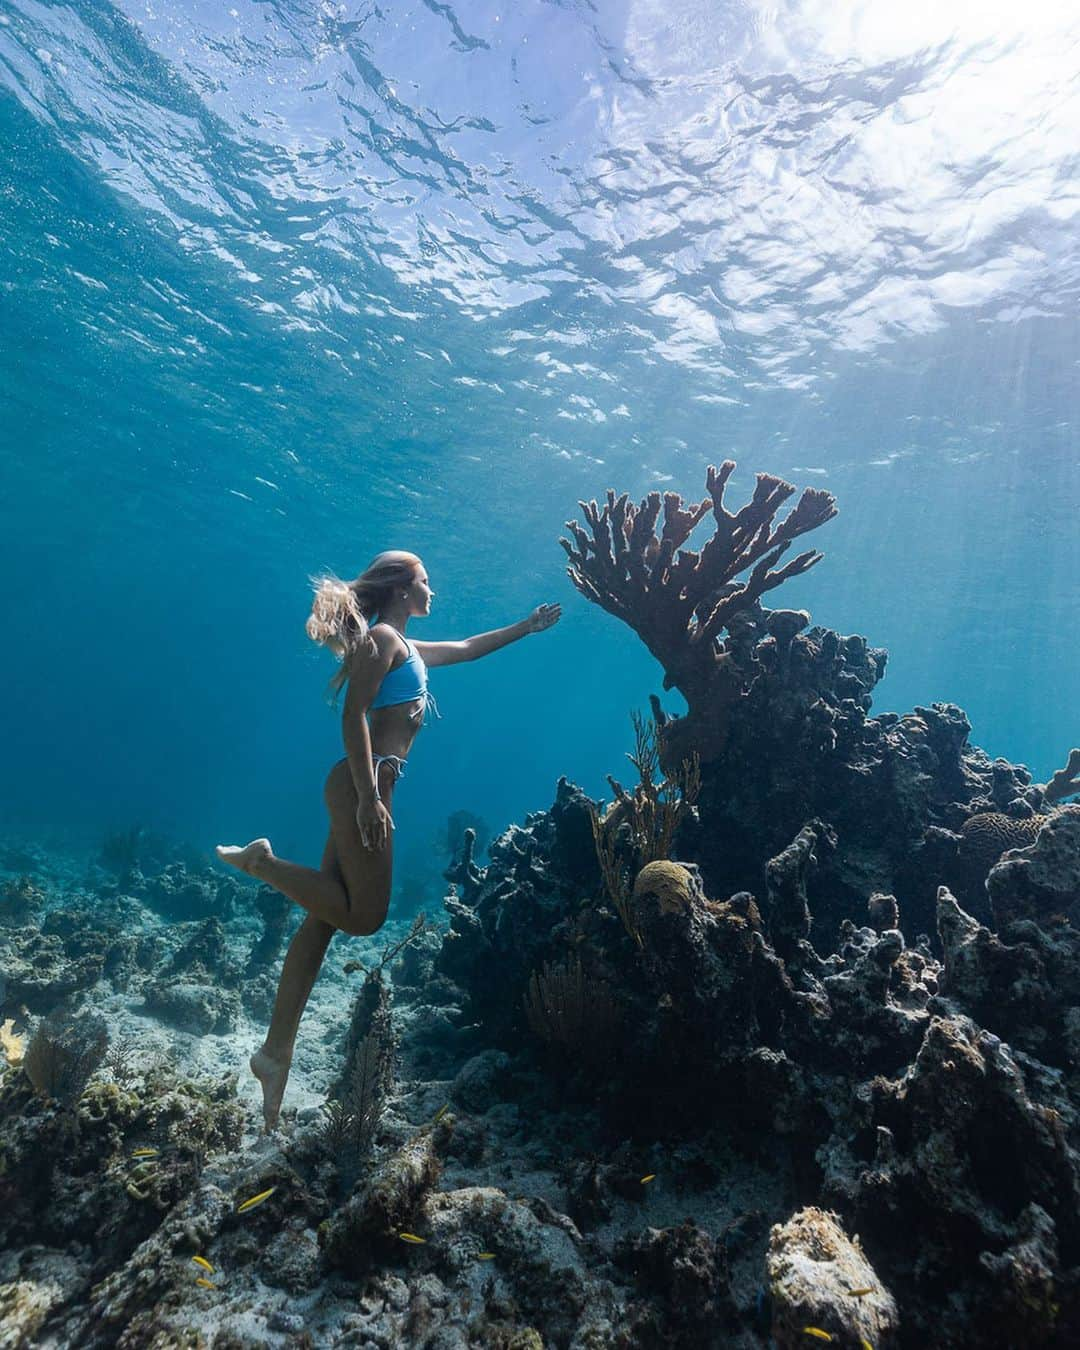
x,y
144,1153
861,1293
817,1333
256,1200
411,1237
864,1344
485,1256
206,1284
440,1112
202,1261
648,1178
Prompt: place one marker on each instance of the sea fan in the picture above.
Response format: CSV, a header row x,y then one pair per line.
x,y
64,1051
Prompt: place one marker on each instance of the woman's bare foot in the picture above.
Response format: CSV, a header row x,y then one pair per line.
x,y
249,858
272,1074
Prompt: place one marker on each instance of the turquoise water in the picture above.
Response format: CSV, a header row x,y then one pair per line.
x,y
286,284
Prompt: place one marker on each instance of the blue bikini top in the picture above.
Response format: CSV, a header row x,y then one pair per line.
x,y
405,683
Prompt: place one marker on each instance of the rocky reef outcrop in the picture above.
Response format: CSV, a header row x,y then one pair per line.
x,y
779,711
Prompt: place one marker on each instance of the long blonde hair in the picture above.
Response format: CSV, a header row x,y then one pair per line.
x,y
342,611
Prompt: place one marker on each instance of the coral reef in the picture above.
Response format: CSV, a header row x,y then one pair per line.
x,y
779,1046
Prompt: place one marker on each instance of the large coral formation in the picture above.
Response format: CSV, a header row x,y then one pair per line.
x,y
779,714
679,600
930,1104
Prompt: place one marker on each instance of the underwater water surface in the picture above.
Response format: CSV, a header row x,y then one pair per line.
x,y
285,284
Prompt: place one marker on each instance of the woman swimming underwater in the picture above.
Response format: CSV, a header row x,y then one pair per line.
x,y
385,677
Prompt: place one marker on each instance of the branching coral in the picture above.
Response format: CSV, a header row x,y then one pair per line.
x,y
1064,782
463,871
679,600
638,826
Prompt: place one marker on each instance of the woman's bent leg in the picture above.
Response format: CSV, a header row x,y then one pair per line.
x,y
321,893
354,897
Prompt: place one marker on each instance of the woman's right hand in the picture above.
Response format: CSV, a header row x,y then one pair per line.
x,y
374,822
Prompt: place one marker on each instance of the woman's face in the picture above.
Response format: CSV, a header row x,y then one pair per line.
x,y
420,593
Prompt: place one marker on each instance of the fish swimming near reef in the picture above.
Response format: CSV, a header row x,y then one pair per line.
x,y
650,1177
411,1237
817,1333
256,1200
485,1256
206,1284
202,1261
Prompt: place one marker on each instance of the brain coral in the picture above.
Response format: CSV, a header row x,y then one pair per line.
x,y
673,885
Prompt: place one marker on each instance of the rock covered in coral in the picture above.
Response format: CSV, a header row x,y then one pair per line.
x,y
481,1080
46,1281
1024,986
21,900
197,1006
1043,880
684,1269
819,1278
39,973
965,1141
884,912
385,1202
985,836
536,1259
1023,1287
179,893
526,893
787,909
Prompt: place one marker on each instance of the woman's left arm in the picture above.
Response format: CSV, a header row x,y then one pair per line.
x,y
482,644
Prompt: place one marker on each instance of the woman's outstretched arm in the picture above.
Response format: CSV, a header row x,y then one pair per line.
x,y
482,644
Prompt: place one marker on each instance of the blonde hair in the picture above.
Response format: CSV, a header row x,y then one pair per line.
x,y
342,611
